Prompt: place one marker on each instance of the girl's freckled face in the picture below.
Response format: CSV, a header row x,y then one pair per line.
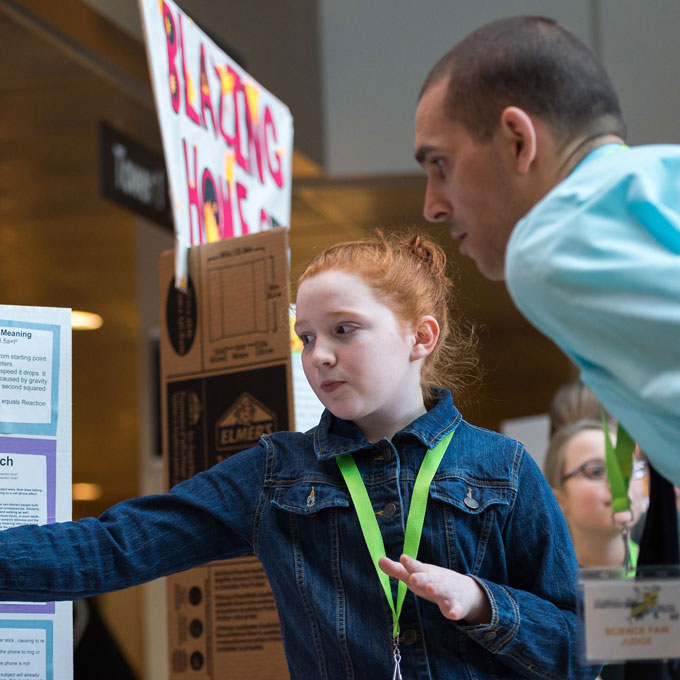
x,y
355,356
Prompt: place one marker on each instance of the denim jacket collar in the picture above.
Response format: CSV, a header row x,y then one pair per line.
x,y
334,436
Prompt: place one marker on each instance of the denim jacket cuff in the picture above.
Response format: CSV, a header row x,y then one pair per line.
x,y
504,623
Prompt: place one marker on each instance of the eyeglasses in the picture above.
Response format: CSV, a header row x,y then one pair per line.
x,y
596,470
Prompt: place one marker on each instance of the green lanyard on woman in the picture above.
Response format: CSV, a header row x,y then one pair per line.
x,y
619,462
414,526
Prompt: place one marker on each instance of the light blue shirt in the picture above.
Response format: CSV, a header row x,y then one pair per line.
x,y
595,266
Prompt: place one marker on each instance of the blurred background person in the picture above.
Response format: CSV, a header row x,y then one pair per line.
x,y
575,469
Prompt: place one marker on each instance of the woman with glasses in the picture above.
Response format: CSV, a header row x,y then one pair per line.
x,y
575,468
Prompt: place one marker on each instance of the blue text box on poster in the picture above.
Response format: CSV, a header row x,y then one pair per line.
x,y
27,649
29,377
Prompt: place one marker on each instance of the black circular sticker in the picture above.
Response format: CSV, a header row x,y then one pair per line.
x,y
181,315
196,661
196,628
195,596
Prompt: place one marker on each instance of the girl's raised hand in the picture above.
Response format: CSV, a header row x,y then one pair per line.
x,y
457,596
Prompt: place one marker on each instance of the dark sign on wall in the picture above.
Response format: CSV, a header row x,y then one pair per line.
x,y
133,176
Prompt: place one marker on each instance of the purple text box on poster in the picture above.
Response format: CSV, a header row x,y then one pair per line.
x,y
35,447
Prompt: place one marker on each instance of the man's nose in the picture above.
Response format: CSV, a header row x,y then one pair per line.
x,y
436,207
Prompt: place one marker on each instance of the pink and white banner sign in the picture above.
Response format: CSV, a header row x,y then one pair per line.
x,y
228,142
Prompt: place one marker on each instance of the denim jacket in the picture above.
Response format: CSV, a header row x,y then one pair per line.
x,y
286,501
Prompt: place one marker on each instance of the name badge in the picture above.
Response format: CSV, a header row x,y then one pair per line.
x,y
631,615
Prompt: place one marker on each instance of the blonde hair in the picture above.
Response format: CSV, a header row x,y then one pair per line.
x,y
407,271
573,401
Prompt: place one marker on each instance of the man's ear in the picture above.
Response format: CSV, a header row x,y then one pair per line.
x,y
518,130
426,334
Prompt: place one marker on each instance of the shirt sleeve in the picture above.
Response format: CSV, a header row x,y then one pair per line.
x,y
534,624
208,517
600,276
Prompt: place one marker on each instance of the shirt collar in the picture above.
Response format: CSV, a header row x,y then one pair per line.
x,y
600,152
334,436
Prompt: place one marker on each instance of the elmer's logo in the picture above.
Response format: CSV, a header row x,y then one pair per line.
x,y
242,424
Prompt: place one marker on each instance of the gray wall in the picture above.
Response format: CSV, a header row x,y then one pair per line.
x,y
641,51
376,55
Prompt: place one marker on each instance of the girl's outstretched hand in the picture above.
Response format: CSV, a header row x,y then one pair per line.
x,y
457,596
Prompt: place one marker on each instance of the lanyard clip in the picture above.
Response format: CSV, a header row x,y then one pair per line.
x,y
627,562
396,655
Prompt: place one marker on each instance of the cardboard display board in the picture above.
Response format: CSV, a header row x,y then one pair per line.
x,y
225,380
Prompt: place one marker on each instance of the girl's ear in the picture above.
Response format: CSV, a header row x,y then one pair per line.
x,y
425,336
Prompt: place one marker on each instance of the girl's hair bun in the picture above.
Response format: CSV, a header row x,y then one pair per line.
x,y
428,252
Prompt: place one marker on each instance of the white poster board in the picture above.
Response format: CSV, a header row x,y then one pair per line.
x,y
308,408
227,141
36,638
532,431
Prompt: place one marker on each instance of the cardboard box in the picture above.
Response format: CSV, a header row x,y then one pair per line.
x,y
225,380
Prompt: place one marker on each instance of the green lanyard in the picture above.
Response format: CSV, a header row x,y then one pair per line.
x,y
619,462
414,523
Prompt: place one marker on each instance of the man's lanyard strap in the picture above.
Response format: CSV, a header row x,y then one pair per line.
x,y
619,462
414,523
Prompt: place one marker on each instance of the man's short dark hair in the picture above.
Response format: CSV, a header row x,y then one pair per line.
x,y
534,64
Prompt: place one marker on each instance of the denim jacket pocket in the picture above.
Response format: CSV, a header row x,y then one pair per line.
x,y
473,513
307,497
471,496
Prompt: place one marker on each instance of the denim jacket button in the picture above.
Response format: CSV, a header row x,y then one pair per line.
x,y
491,635
471,502
390,510
408,637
